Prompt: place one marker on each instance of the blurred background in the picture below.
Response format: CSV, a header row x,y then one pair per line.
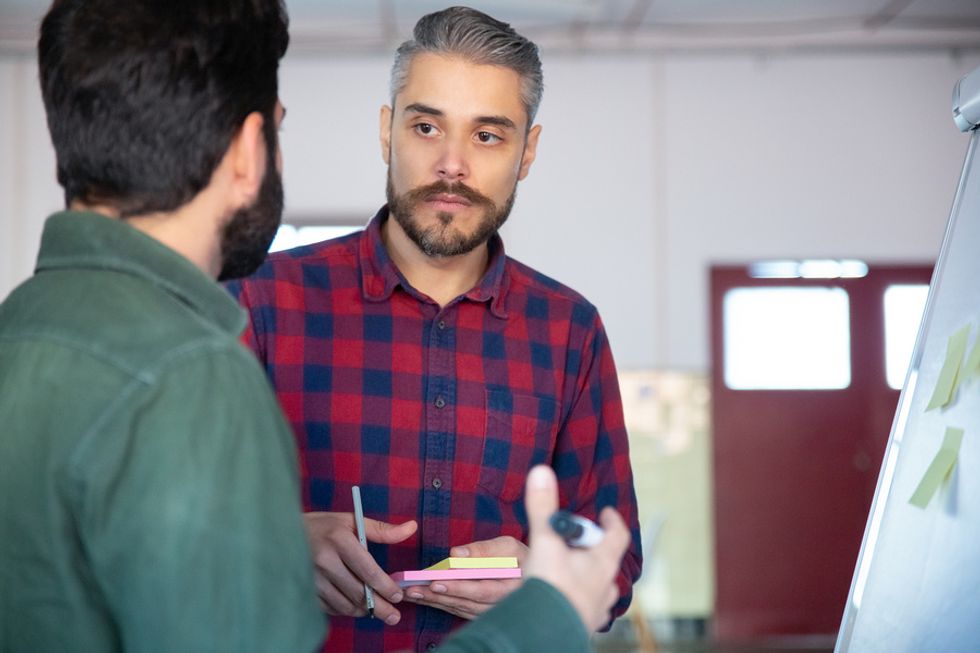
x,y
753,193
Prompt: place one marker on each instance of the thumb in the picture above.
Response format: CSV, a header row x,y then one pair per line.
x,y
385,533
504,545
540,500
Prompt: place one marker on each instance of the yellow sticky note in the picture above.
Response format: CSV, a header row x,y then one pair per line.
x,y
476,563
949,375
939,468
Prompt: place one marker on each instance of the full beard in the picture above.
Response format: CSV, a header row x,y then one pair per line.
x,y
445,239
245,239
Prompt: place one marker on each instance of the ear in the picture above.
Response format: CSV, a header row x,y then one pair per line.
x,y
248,158
530,151
385,133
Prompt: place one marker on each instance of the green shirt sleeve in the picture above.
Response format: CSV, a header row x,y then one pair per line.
x,y
192,521
536,618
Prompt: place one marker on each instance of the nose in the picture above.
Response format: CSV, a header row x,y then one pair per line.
x,y
452,165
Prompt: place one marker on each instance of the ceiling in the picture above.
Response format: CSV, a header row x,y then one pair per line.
x,y
366,26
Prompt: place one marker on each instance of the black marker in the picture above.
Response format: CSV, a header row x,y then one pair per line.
x,y
575,530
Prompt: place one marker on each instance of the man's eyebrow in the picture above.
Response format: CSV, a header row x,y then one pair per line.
x,y
500,121
418,107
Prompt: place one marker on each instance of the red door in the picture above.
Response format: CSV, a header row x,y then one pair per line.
x,y
795,469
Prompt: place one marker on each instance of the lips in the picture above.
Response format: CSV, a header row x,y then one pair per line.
x,y
450,199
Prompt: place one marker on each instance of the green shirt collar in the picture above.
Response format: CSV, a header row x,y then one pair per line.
x,y
86,240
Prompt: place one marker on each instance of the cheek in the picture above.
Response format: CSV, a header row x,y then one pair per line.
x,y
409,168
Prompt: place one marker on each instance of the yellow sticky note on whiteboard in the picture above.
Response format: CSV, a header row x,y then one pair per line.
x,y
950,373
940,467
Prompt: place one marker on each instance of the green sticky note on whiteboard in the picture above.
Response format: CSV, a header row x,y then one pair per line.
x,y
939,468
949,375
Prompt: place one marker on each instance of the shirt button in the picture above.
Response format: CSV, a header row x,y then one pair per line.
x,y
442,324
440,402
430,647
437,483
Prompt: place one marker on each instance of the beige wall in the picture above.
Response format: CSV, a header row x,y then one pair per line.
x,y
649,169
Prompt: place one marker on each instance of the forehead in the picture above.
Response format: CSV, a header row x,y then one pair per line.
x,y
462,89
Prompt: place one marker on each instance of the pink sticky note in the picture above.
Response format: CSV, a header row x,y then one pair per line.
x,y
426,576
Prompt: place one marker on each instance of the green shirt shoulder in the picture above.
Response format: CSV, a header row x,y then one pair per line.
x,y
149,499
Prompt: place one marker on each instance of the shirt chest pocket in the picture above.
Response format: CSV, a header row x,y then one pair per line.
x,y
520,433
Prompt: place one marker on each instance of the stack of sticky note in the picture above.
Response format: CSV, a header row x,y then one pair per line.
x,y
460,569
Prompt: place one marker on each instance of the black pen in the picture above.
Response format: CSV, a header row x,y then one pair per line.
x,y
576,530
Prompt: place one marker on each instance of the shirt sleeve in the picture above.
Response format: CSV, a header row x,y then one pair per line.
x,y
592,459
536,618
192,523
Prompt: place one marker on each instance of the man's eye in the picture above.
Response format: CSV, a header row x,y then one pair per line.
x,y
488,137
424,128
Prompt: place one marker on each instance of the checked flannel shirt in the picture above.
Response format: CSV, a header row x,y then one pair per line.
x,y
437,413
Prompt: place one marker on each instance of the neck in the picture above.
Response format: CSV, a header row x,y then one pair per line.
x,y
180,230
441,278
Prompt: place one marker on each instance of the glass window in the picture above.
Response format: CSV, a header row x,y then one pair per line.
x,y
903,313
786,338
290,236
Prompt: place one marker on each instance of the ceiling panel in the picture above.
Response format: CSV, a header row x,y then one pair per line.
x,y
596,25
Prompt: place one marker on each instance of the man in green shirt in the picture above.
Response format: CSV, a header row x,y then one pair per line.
x,y
148,487
148,493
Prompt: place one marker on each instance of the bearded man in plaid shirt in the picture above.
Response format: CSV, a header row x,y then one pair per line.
x,y
418,361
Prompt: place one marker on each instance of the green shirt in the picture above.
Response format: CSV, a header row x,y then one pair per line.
x,y
537,618
148,490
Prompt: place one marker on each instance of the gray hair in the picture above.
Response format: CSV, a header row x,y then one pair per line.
x,y
476,37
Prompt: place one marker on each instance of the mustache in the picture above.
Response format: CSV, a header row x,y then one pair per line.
x,y
424,193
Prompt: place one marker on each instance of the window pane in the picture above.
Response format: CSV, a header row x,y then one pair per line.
x,y
903,312
289,236
786,338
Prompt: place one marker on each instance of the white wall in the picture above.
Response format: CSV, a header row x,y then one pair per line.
x,y
649,169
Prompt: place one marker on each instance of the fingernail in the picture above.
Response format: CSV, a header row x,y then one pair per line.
x,y
538,478
396,597
460,552
439,589
392,619
414,595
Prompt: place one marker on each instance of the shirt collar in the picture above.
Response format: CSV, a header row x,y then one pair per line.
x,y
380,276
86,240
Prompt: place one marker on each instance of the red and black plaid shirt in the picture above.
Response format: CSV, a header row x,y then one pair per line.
x,y
438,413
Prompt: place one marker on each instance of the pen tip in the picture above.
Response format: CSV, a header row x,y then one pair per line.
x,y
371,612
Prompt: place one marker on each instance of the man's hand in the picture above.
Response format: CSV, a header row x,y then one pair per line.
x,y
471,598
343,565
585,576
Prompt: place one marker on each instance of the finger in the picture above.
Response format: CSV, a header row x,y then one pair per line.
x,y
487,591
541,501
459,607
341,574
505,545
323,524
617,535
346,583
354,595
386,612
385,533
362,568
334,601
